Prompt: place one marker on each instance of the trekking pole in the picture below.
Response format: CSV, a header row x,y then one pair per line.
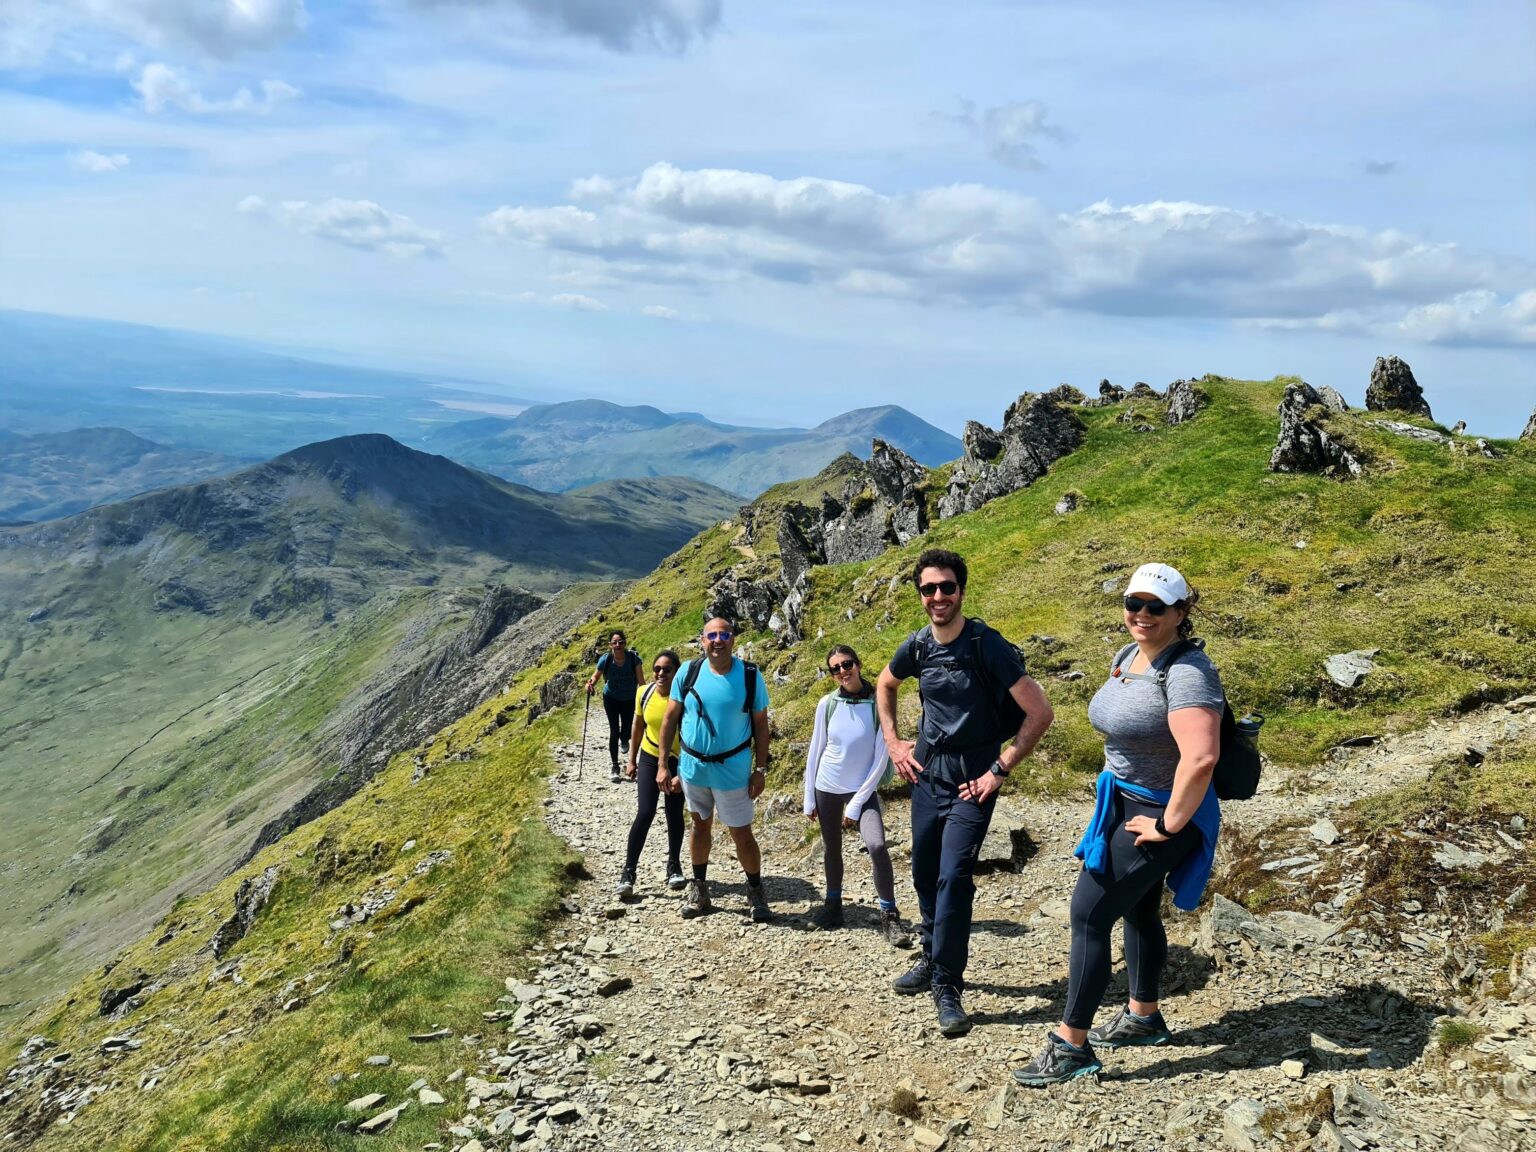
x,y
581,757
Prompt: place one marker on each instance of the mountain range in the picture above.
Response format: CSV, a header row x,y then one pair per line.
x,y
560,446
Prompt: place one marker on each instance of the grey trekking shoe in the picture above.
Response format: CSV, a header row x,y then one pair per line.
x,y
890,927
827,917
953,1020
1058,1063
1126,1030
615,776
626,885
918,978
757,904
696,899
675,879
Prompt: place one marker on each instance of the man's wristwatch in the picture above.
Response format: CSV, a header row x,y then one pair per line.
x,y
1161,828
761,769
998,770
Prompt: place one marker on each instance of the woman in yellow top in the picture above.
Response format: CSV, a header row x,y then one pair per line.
x,y
644,767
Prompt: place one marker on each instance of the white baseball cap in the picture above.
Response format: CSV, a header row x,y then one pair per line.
x,y
1162,580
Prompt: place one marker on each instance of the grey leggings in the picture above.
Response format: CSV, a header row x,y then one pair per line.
x,y
830,807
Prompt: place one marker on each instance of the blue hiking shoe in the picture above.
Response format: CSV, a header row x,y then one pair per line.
x,y
1127,1030
918,978
953,1020
1058,1063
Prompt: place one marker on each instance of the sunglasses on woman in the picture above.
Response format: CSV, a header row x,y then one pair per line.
x,y
663,669
843,666
1153,607
948,587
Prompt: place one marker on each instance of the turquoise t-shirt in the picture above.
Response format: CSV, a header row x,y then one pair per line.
x,y
722,697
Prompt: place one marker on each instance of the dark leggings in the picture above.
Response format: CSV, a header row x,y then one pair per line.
x,y
621,713
830,807
1132,890
646,793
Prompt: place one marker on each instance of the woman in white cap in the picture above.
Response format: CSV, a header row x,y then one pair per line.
x,y
1156,818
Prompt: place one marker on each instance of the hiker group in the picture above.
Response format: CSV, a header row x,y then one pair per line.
x,y
1172,751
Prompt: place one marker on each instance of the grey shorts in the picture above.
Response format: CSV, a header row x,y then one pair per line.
x,y
734,805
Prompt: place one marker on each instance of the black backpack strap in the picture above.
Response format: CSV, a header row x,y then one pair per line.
x,y
645,697
749,675
1168,657
978,629
1120,656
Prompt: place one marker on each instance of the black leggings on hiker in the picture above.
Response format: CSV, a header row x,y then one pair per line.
x,y
1132,889
646,795
829,811
621,714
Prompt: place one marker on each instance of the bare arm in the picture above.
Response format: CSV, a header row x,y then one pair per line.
x,y
902,760
637,727
669,726
1197,732
1038,715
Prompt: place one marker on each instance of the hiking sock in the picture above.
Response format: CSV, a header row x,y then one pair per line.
x,y
698,872
754,879
833,897
887,905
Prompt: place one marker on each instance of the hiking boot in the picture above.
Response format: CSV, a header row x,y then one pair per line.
x,y
1128,1030
624,747
952,1018
1058,1063
890,927
626,885
918,978
675,878
827,917
696,899
615,776
757,904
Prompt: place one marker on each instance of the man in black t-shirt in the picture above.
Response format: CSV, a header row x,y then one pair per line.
x,y
955,767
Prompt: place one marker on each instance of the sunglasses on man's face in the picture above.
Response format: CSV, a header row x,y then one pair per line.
x,y
843,666
1153,607
928,591
719,637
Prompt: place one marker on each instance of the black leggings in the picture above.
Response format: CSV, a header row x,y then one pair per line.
x,y
1132,889
646,794
621,714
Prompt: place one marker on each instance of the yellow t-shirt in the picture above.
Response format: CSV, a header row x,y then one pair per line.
x,y
654,712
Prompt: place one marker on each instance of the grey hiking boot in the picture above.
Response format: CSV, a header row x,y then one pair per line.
x,y
918,978
890,927
675,878
953,1020
615,776
757,904
696,899
626,886
827,917
1058,1063
1127,1030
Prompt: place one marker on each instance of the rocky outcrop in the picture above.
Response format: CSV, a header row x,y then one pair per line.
x,y
743,600
889,508
250,899
1393,388
1530,428
1332,400
1185,399
1037,431
1304,444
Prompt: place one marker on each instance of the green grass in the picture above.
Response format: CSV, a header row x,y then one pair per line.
x,y
1456,1034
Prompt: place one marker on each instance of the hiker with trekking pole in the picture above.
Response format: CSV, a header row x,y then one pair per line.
x,y
1171,751
622,675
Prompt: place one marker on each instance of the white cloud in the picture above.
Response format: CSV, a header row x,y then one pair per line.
x,y
1012,132
623,25
98,163
578,302
353,223
220,28
660,312
976,245
160,87
1478,317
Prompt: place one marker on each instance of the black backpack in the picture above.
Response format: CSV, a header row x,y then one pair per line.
x,y
1005,709
690,678
1236,775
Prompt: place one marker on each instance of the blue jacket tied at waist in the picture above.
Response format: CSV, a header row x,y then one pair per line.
x,y
1188,880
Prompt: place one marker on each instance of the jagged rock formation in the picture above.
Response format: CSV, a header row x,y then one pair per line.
x,y
250,899
744,600
1393,388
1530,428
1332,400
1037,431
1185,399
1304,444
888,509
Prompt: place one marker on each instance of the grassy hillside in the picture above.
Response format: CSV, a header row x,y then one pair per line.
x,y
1425,558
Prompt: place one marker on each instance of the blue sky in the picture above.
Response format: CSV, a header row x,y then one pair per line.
x,y
773,212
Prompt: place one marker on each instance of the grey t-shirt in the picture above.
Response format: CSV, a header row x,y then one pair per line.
x,y
1132,714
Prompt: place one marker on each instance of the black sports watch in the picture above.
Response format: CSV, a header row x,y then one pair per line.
x,y
1161,829
998,770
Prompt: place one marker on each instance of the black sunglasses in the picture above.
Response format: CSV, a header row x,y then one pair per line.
x,y
1153,607
663,669
843,666
948,587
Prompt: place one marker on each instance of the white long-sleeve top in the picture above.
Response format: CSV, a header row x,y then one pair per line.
x,y
847,752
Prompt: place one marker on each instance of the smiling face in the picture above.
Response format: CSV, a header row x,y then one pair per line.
x,y
1149,631
616,644
942,595
719,639
845,670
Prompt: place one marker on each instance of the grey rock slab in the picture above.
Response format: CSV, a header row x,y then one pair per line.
x,y
383,1122
428,1097
1334,1057
1240,1125
1325,831
430,1037
1453,858
614,985
363,1103
378,1061
1348,669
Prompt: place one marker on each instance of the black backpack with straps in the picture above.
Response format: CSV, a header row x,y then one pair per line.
x,y
1238,765
690,678
1005,709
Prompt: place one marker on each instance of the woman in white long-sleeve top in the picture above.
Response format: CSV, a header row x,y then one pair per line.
x,y
843,768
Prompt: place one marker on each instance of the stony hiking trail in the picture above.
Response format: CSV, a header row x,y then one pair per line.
x,y
634,1029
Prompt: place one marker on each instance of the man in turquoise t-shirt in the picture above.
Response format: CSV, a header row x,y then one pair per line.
x,y
724,759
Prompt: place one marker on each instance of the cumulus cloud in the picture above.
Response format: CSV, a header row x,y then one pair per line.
x,y
622,25
98,163
1477,317
160,87
1011,132
976,245
353,223
660,312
